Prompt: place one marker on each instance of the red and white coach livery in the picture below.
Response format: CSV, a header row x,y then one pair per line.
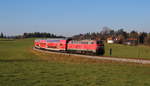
x,y
56,44
73,46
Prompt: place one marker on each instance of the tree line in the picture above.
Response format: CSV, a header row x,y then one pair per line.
x,y
41,35
121,34
104,34
32,35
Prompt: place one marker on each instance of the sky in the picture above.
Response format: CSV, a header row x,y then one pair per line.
x,y
70,17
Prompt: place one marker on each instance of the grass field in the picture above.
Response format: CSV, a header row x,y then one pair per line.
x,y
21,66
119,50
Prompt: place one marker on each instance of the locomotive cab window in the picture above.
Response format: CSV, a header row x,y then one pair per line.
x,y
99,42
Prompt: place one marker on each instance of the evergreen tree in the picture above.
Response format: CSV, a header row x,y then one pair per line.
x,y
2,35
142,37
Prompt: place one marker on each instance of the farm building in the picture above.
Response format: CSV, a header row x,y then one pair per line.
x,y
133,41
110,40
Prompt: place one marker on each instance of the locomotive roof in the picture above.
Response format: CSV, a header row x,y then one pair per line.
x,y
84,40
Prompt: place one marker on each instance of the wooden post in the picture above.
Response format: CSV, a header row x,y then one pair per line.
x,y
110,51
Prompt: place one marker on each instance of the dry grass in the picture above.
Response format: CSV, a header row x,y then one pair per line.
x,y
66,58
71,59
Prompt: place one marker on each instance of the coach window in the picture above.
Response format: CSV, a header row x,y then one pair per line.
x,y
72,42
78,42
92,42
83,42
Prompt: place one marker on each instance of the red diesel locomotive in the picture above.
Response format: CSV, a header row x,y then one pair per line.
x,y
71,46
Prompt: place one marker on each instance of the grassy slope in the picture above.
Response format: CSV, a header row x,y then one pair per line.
x,y
20,66
128,51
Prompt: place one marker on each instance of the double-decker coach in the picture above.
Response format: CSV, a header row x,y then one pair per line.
x,y
37,43
43,43
56,44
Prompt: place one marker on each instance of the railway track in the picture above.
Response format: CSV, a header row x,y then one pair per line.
x,y
139,61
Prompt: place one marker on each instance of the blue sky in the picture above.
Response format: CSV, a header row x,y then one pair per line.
x,y
69,17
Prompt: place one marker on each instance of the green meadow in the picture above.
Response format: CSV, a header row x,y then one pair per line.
x,y
127,51
21,66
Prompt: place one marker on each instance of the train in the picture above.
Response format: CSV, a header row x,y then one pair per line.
x,y
95,47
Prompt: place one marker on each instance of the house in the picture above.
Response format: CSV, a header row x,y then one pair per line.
x,y
131,41
110,40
